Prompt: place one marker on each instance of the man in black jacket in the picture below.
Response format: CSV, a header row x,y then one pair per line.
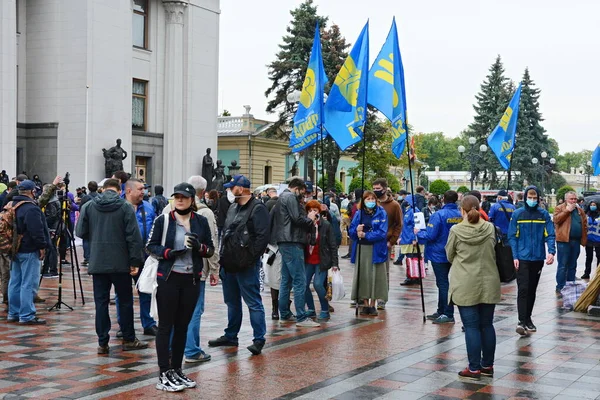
x,y
25,266
244,284
293,226
110,225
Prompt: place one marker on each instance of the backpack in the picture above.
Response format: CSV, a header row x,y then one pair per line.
x,y
10,239
236,254
159,203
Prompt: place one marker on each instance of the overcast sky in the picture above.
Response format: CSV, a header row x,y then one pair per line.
x,y
447,48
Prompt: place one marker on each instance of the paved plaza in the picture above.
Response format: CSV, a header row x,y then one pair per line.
x,y
392,356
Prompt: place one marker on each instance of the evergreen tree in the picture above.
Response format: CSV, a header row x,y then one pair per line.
x,y
531,139
492,101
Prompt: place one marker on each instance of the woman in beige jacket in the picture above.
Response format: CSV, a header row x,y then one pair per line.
x,y
475,286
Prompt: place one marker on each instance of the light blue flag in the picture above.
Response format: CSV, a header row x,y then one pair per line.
x,y
596,161
386,88
309,116
502,139
346,105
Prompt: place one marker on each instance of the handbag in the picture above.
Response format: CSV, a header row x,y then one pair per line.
x,y
412,267
147,280
504,258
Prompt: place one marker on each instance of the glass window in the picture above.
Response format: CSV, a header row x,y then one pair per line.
x,y
140,23
138,106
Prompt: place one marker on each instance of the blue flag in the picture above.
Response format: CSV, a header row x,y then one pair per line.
x,y
596,161
386,88
502,139
309,116
346,106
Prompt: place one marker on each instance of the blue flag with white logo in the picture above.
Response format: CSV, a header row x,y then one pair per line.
x,y
502,139
386,88
309,116
596,161
346,105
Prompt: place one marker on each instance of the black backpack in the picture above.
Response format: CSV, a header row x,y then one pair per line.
x,y
236,244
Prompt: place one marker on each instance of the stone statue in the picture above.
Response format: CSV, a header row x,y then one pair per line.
x,y
294,170
113,159
233,169
217,183
208,169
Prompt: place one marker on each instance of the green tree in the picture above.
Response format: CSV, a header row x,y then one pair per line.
x,y
575,160
556,181
462,189
437,150
492,101
560,195
324,184
226,113
439,187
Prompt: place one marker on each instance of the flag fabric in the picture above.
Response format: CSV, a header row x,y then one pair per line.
x,y
596,161
502,139
346,105
412,152
309,116
387,90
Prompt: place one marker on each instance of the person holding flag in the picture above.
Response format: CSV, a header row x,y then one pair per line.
x,y
308,120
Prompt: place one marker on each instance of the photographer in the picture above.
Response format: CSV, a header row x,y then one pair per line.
x,y
52,212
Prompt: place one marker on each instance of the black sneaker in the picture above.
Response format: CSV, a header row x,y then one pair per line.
x,y
585,276
522,329
433,317
103,349
531,327
186,381
256,347
34,321
170,382
222,341
64,262
51,275
119,334
398,262
347,256
85,263
135,345
275,316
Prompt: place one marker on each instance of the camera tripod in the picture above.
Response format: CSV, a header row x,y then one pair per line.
x,y
64,231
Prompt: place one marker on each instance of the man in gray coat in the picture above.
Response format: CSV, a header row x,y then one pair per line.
x,y
110,226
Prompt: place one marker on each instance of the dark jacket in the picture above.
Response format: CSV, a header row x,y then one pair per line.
x,y
420,201
498,217
31,223
327,245
159,202
222,211
291,220
87,197
530,229
10,195
258,225
109,224
198,225
438,229
271,202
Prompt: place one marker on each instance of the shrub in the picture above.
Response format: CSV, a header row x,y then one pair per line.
x,y
463,189
560,195
439,187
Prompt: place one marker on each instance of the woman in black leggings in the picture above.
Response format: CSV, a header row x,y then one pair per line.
x,y
186,243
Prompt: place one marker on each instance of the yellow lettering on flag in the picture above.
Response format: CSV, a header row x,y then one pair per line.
x,y
348,81
309,88
506,118
387,75
506,145
398,129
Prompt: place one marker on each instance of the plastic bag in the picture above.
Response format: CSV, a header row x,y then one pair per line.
x,y
337,286
571,293
147,280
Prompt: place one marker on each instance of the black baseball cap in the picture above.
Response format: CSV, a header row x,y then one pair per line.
x,y
184,189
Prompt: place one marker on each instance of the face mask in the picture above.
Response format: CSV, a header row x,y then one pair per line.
x,y
370,204
183,212
379,193
593,208
146,192
230,196
400,198
531,203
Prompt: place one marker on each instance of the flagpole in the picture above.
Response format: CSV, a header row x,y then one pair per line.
x,y
362,213
412,191
322,158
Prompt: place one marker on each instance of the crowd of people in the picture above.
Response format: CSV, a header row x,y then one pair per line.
x,y
287,241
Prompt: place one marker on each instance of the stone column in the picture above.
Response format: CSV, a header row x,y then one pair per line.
x,y
174,155
8,86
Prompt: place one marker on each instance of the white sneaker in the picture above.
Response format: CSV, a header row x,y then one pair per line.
x,y
308,323
169,382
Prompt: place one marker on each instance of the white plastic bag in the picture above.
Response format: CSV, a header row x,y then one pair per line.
x,y
337,286
147,281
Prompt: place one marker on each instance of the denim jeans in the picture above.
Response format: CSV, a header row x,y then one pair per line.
x,y
86,249
292,275
145,302
243,285
24,280
192,343
568,253
480,334
102,284
318,284
442,270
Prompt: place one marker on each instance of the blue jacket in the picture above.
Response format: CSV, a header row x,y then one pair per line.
x,y
408,226
437,232
593,229
377,235
530,229
150,216
498,217
31,223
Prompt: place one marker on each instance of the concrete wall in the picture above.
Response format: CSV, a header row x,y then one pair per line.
x,y
8,90
38,143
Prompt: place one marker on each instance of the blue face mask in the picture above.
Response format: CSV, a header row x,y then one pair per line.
x,y
531,203
593,208
370,204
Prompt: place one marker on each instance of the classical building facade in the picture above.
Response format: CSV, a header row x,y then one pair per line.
x,y
267,160
75,75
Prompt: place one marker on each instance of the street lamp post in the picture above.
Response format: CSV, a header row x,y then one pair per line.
x,y
587,178
294,97
473,157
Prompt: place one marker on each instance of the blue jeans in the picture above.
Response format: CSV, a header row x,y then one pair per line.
x,y
480,335
24,280
102,284
292,274
319,285
442,270
192,343
145,302
86,249
567,253
243,285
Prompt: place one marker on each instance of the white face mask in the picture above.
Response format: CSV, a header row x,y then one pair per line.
x,y
230,196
